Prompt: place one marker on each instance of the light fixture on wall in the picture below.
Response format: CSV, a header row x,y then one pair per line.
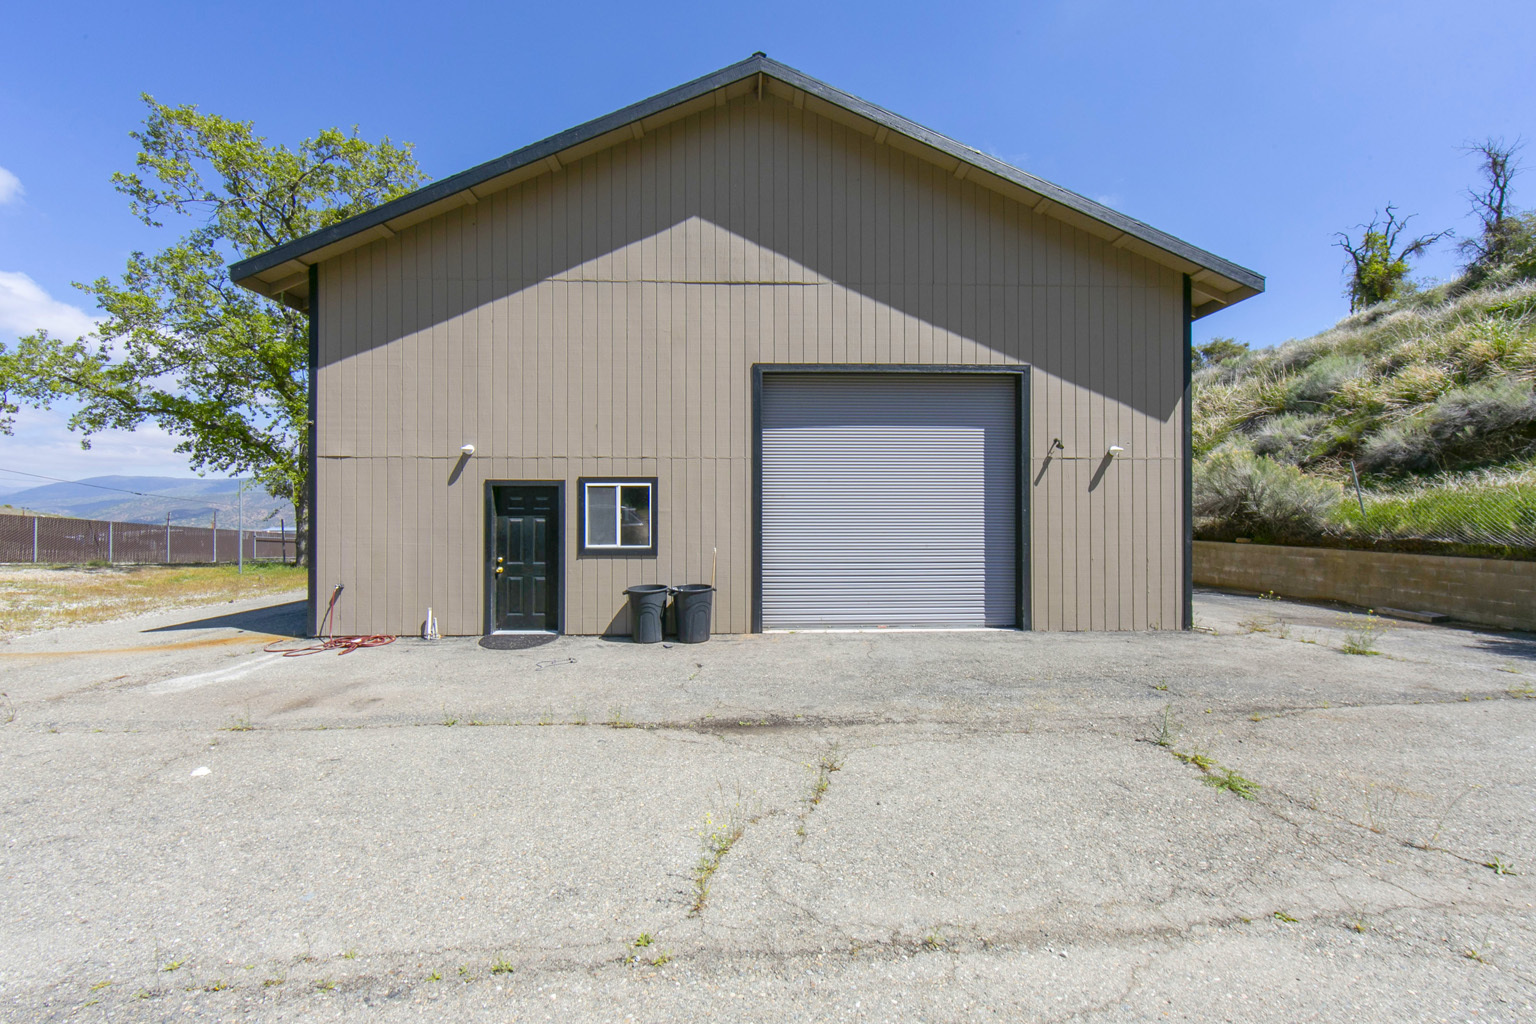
x,y
467,449
1114,450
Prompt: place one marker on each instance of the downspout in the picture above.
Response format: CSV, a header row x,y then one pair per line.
x,y
313,459
1189,459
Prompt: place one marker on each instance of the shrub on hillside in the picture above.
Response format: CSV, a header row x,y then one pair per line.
x,y
1288,438
1480,423
1239,494
1322,379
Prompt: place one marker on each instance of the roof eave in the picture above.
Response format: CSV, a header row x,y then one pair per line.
x,y
282,272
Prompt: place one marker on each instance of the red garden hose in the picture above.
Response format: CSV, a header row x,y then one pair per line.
x,y
342,644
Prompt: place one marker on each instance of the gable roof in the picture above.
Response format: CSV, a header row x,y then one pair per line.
x,y
283,272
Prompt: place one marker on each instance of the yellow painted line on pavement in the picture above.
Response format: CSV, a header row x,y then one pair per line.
x,y
184,645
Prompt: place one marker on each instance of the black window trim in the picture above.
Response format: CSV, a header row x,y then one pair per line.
x,y
582,550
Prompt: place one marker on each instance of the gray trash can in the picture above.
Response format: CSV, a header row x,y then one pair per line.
x,y
647,603
695,604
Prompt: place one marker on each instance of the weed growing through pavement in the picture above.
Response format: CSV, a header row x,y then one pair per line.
x,y
547,717
502,967
350,954
1213,773
580,717
172,965
1479,951
1284,918
10,710
1363,633
934,941
829,762
241,723
1378,806
618,718
450,722
664,957
1229,780
325,985
436,975
272,982
1500,867
643,939
1202,761
1168,729
717,835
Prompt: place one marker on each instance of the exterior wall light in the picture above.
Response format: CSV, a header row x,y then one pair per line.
x,y
1114,450
467,449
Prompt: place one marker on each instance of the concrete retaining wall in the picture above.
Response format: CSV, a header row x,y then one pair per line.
x,y
1486,591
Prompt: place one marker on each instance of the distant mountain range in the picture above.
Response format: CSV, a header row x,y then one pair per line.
x,y
147,499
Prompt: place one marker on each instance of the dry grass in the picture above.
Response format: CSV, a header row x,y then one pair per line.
x,y
34,598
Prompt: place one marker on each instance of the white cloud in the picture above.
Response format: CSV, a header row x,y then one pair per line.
x,y
25,307
10,187
43,443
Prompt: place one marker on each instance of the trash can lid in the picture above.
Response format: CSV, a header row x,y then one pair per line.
x,y
693,588
648,588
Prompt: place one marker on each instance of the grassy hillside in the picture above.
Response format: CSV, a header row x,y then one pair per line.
x,y
1433,399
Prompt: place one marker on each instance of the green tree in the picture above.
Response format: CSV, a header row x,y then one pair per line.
x,y
1378,264
221,369
1219,350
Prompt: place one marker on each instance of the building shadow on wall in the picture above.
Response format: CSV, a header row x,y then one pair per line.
x,y
843,212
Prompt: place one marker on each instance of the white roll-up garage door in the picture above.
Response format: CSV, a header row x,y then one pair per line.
x,y
889,500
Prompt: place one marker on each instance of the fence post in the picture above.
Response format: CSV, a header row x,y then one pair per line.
x,y
167,538
215,536
34,538
1358,497
109,542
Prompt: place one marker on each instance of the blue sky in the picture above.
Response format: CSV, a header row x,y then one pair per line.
x,y
1253,130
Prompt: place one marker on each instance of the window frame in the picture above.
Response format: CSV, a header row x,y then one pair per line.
x,y
587,550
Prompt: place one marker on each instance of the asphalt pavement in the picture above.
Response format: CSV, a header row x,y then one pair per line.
x,y
786,827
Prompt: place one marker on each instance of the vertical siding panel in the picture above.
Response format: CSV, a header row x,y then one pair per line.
x,y
1146,504
1116,383
496,409
390,570
540,396
469,423
1090,294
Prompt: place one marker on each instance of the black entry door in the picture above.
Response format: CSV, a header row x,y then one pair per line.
x,y
525,547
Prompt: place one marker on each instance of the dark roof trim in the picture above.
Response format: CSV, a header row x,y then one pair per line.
x,y
539,151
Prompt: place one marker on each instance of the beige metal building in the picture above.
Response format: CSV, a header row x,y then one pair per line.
x,y
757,329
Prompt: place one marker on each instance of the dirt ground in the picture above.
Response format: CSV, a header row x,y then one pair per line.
x,y
36,598
1240,823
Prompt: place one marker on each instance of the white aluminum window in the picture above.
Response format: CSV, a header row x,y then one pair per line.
x,y
618,516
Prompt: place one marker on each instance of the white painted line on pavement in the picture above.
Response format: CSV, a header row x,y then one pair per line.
x,y
179,684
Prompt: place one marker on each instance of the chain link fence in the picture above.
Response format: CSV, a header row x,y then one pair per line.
x,y
55,540
1496,516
